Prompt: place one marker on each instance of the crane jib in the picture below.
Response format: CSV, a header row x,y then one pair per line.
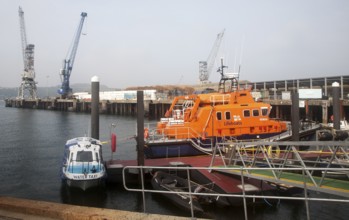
x,y
65,90
28,76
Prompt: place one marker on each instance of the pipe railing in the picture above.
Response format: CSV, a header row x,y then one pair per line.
x,y
251,153
243,194
185,133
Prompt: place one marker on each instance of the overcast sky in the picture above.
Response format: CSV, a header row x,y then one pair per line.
x,y
158,42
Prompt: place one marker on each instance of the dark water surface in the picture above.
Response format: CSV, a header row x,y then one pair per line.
x,y
31,150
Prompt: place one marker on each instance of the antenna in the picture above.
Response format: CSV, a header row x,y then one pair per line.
x,y
240,64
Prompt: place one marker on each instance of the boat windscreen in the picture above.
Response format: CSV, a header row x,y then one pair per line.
x,y
84,156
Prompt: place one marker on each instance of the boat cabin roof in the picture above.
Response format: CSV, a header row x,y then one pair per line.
x,y
83,143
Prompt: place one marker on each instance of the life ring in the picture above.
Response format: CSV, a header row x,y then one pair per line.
x,y
146,133
273,152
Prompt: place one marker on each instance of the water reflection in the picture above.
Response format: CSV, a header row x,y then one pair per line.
x,y
94,197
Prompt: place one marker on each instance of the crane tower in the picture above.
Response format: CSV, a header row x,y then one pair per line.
x,y
65,91
205,67
28,75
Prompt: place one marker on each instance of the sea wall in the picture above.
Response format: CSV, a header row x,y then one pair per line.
x,y
14,208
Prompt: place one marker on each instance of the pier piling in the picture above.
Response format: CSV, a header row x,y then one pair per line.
x,y
140,128
295,116
336,109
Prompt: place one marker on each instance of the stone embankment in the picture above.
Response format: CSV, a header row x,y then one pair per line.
x,y
14,209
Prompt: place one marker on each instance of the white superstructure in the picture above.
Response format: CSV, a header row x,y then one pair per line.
x,y
118,95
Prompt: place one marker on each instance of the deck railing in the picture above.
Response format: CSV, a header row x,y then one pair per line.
x,y
185,133
280,155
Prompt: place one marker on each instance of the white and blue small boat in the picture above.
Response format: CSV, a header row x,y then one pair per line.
x,y
83,165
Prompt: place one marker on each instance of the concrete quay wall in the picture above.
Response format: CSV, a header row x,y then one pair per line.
x,y
15,208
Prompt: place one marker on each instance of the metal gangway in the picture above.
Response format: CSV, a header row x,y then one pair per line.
x,y
305,164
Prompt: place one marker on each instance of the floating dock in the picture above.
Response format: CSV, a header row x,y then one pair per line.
x,y
257,162
228,184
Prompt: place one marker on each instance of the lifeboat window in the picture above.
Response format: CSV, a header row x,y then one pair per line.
x,y
84,156
264,111
255,112
227,116
247,113
219,115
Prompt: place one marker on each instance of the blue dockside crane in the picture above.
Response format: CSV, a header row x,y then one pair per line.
x,y
65,91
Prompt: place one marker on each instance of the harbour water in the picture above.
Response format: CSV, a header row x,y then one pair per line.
x,y
31,150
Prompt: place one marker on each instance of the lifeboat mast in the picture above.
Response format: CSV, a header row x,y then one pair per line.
x,y
232,77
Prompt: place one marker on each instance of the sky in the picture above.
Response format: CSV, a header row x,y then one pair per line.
x,y
159,42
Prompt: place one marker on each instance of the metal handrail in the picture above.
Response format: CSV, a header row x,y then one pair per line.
x,y
190,133
248,160
242,170
222,98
